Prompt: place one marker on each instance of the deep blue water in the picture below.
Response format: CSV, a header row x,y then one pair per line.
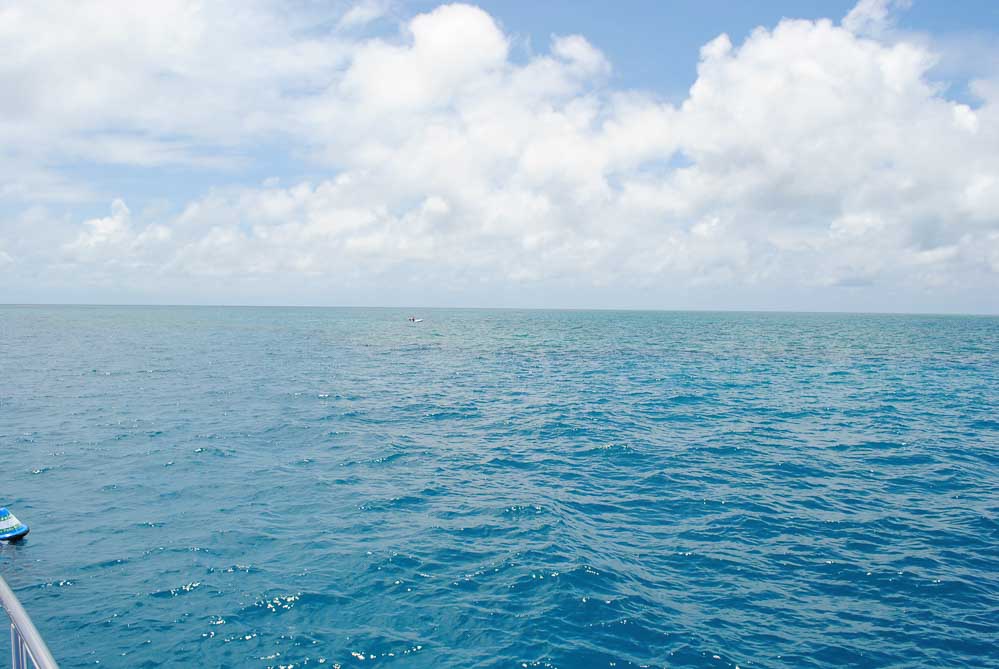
x,y
252,487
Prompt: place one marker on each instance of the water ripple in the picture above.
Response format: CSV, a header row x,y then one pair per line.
x,y
299,487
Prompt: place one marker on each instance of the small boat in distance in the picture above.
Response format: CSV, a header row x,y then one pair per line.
x,y
11,529
414,319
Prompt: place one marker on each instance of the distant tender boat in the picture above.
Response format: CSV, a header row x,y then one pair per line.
x,y
11,529
414,319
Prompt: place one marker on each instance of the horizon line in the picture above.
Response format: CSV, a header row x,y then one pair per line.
x,y
499,308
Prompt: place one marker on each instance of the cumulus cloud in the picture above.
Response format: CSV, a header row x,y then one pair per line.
x,y
814,155
873,17
112,243
362,13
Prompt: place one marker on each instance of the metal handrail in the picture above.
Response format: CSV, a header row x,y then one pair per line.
x,y
25,641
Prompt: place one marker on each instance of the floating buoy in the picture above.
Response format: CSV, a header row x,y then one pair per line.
x,y
11,529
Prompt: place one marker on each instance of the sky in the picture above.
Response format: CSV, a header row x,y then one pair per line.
x,y
785,155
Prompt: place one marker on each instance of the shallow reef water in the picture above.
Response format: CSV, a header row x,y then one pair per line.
x,y
278,487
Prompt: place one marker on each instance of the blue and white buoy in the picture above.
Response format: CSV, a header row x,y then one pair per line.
x,y
11,529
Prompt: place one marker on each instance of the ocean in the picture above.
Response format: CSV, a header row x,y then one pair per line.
x,y
293,487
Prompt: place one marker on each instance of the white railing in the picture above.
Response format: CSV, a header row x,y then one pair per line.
x,y
26,644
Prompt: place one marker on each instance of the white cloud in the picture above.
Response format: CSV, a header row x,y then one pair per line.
x,y
449,48
104,231
113,243
142,83
811,155
362,13
583,55
873,17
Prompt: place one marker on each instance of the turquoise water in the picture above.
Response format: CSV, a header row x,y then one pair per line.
x,y
311,487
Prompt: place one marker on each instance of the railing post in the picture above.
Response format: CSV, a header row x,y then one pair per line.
x,y
13,646
16,649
